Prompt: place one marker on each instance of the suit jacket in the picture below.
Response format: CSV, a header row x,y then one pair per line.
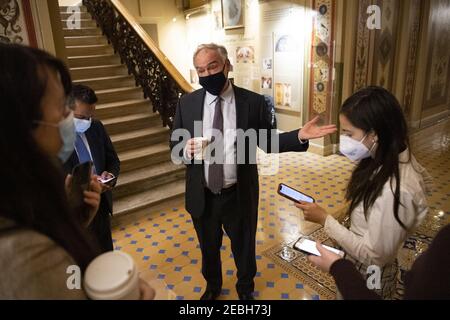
x,y
104,156
251,113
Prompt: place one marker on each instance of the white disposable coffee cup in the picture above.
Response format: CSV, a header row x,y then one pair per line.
x,y
112,276
200,143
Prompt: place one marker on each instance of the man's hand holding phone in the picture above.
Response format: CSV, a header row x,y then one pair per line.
x,y
107,181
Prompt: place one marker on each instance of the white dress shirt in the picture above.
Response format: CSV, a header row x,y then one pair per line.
x,y
376,241
229,131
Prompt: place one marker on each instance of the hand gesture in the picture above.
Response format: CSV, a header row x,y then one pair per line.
x,y
312,131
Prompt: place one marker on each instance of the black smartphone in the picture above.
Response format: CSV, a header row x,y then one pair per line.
x,y
294,195
81,175
81,179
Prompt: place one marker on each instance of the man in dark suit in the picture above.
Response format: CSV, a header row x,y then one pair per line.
x,y
93,144
225,195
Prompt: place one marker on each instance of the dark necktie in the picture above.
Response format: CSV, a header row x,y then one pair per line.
x,y
215,174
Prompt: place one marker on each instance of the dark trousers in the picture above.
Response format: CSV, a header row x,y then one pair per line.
x,y
221,213
100,229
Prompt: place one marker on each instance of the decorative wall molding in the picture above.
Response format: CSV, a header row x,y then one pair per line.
x,y
385,44
363,47
413,46
322,60
437,84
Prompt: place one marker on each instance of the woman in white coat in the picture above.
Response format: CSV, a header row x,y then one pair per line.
x,y
386,191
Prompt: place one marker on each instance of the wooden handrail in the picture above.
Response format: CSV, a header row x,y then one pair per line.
x,y
173,71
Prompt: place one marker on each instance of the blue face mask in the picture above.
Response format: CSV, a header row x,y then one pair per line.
x,y
67,132
81,125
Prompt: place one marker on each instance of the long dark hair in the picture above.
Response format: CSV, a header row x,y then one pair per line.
x,y
376,109
32,191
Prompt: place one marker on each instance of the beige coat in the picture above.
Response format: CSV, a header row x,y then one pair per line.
x,y
376,241
32,266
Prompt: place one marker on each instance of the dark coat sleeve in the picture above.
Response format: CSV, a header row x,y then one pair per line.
x,y
177,125
180,142
429,277
350,282
112,162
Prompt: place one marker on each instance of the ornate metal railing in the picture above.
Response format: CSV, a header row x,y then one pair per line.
x,y
161,82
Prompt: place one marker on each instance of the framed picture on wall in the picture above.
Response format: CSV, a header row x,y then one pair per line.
x,y
233,13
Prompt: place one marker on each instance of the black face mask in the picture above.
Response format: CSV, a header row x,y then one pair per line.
x,y
214,83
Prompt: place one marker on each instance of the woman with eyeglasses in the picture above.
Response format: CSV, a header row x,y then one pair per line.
x,y
40,235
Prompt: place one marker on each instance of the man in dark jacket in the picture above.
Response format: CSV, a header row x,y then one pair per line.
x,y
224,196
93,144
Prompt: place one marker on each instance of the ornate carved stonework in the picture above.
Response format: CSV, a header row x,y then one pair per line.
x,y
385,44
437,85
416,9
362,47
375,49
322,60
10,28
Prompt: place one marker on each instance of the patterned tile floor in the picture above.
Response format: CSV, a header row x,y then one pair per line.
x,y
166,250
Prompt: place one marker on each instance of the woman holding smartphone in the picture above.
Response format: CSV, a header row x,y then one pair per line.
x,y
386,191
40,235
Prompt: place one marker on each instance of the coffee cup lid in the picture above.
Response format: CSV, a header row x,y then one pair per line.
x,y
109,273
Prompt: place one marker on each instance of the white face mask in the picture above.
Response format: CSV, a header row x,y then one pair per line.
x,y
82,125
67,132
353,149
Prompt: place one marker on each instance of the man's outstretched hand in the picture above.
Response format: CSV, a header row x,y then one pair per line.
x,y
312,131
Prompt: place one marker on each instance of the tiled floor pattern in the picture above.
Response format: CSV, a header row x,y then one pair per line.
x,y
165,246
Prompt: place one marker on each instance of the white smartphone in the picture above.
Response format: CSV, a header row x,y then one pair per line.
x,y
107,181
309,246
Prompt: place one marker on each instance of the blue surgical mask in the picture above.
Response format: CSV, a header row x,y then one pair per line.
x,y
67,132
81,126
